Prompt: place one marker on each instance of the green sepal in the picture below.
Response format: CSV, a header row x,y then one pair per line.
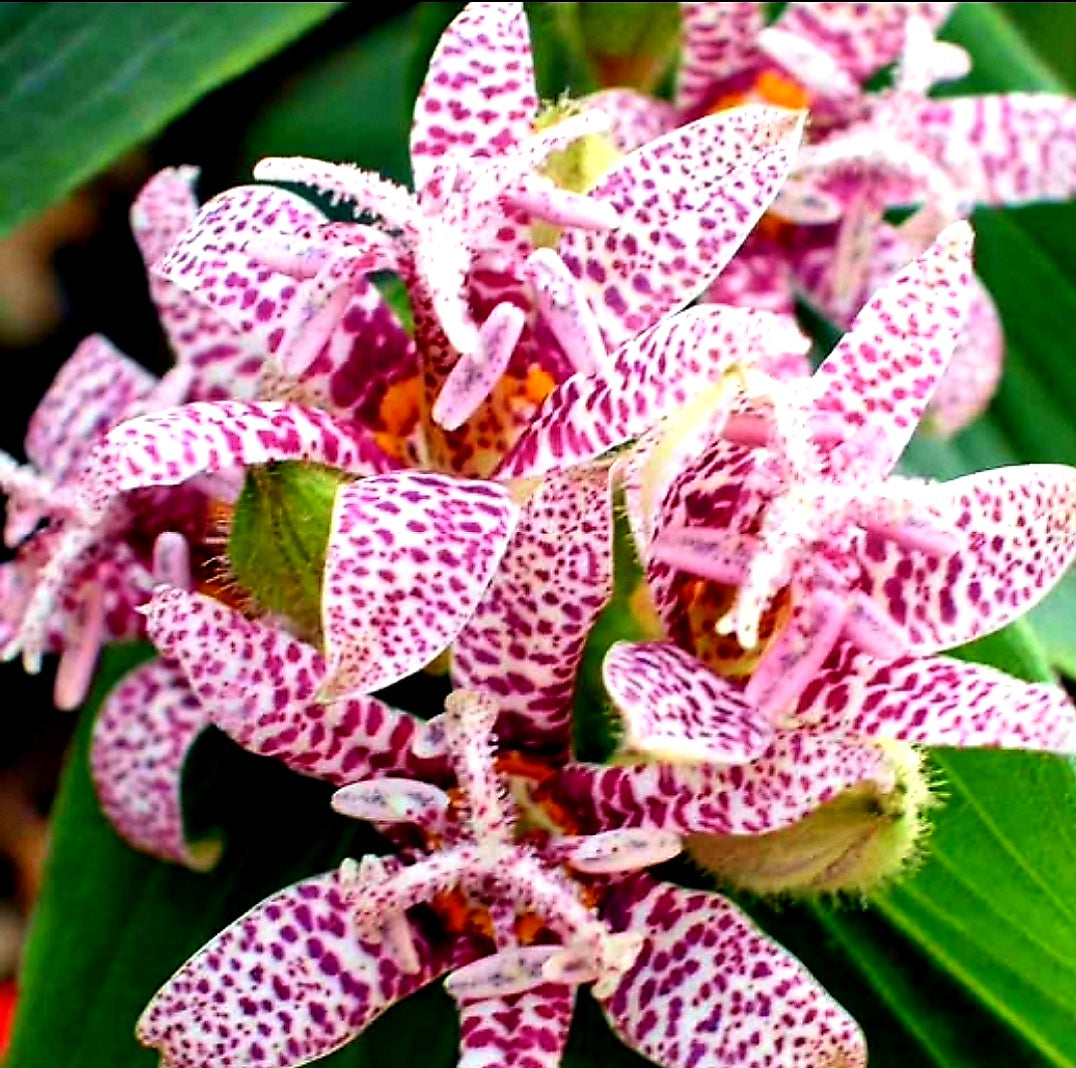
x,y
279,536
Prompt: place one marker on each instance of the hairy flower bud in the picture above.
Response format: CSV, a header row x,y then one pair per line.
x,y
278,538
852,844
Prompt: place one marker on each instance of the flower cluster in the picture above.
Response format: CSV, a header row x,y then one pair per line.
x,y
830,236
395,501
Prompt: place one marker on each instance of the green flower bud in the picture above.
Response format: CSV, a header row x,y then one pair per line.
x,y
852,844
279,536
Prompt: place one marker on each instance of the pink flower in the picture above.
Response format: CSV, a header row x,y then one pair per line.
x,y
516,919
867,150
518,282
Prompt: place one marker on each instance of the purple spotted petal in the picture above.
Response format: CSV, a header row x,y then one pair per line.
x,y
718,42
224,311
92,391
204,438
1025,143
310,984
526,637
862,38
1020,525
882,374
673,707
164,208
259,685
635,118
726,993
686,202
973,374
529,1029
478,99
140,741
653,375
936,701
796,775
409,558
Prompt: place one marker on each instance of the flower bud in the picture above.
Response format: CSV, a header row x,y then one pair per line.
x,y
852,844
278,539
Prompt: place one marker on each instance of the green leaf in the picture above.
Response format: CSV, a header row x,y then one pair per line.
x,y
353,106
80,84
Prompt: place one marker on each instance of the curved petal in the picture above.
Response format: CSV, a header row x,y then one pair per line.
x,y
937,701
972,377
410,556
760,1007
92,391
222,308
686,202
1025,143
718,42
674,708
526,1029
164,208
478,98
259,685
174,446
882,374
526,637
311,983
653,376
1020,527
862,38
796,775
140,741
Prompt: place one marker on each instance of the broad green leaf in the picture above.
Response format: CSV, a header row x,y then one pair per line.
x,y
80,84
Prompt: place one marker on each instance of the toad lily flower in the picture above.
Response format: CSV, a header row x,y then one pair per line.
x,y
407,557
266,688
789,516
95,389
530,252
516,918
867,150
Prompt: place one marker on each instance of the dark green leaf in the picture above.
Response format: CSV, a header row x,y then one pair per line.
x,y
80,84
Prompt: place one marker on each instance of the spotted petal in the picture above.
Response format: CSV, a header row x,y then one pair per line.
x,y
410,556
883,373
478,99
140,742
862,38
796,775
686,202
936,701
674,708
259,685
526,638
526,1029
1025,143
204,438
758,1008
164,208
1020,525
311,983
93,390
718,42
973,374
653,376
